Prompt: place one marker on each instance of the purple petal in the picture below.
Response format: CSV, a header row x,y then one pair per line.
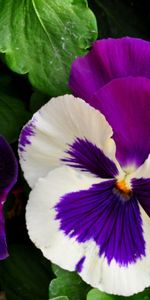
x,y
89,158
141,189
3,244
8,177
8,168
106,216
109,59
126,105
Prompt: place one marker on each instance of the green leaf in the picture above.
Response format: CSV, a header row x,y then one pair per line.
x,y
13,115
25,275
43,37
95,294
37,100
60,298
67,284
145,295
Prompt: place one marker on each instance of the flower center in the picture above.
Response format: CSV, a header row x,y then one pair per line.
x,y
123,186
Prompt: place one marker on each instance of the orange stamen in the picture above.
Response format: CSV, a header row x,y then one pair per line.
x,y
121,185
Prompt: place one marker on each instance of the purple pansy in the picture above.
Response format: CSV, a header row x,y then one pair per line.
x,y
107,78
88,165
8,177
109,59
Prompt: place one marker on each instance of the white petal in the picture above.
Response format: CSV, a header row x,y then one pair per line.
x,y
67,252
143,171
40,215
56,125
114,279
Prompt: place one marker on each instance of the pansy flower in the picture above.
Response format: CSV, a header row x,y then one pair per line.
x,y
8,177
89,169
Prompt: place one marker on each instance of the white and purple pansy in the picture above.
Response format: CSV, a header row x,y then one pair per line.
x,y
88,165
8,177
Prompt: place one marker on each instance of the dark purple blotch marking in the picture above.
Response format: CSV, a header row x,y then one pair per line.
x,y
141,189
79,265
26,133
89,158
102,215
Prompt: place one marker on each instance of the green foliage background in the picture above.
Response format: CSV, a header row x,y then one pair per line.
x,y
39,39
